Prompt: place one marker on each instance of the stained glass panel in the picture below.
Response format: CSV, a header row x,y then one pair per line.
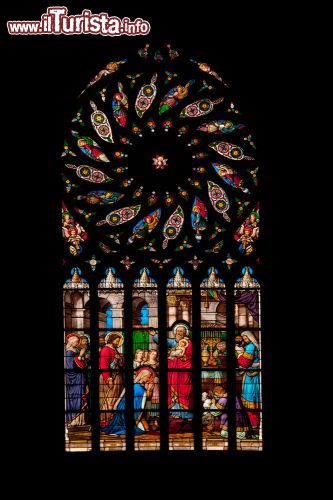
x,y
179,299
113,441
146,362
180,386
111,301
146,380
76,301
112,403
248,354
144,302
214,362
77,362
181,436
146,408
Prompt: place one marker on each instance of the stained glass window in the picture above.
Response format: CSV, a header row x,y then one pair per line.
x,y
160,222
248,352
214,362
77,362
180,362
112,359
146,363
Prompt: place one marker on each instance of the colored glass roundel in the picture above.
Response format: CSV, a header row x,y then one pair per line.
x,y
160,131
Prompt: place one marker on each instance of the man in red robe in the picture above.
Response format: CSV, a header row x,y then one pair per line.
x,y
111,379
180,390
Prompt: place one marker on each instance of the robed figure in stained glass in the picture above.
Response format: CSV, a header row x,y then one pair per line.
x,y
218,407
180,392
111,381
76,381
143,389
248,358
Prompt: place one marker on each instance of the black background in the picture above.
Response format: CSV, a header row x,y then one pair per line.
x,y
43,76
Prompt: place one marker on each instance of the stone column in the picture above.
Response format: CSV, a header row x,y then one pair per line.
x,y
236,315
172,309
78,318
242,311
185,308
101,320
68,317
150,297
117,319
117,301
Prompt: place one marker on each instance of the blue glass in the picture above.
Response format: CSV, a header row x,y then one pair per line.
x,y
144,317
109,320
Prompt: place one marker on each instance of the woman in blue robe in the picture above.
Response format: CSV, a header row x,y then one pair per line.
x,y
249,360
75,377
143,388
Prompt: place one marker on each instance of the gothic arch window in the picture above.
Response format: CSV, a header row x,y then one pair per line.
x,y
180,361
248,350
160,222
214,360
76,295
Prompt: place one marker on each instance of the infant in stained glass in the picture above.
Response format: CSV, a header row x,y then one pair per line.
x,y
179,350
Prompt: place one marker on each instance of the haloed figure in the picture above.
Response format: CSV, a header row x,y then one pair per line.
x,y
180,392
111,379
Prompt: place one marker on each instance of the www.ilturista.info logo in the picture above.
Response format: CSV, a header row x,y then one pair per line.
x,y
57,22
